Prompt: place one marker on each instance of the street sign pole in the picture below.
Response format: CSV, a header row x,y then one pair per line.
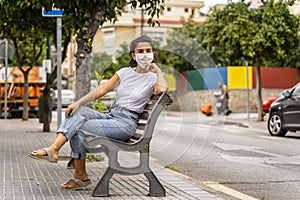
x,y
58,14
5,84
59,32
6,51
247,83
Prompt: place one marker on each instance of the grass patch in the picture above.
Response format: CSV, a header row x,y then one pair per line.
x,y
172,168
94,157
264,197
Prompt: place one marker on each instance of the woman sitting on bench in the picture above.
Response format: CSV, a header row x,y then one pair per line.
x,y
136,84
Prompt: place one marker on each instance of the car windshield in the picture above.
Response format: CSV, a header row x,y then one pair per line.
x,y
296,91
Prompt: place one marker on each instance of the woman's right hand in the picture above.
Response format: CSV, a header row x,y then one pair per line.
x,y
71,109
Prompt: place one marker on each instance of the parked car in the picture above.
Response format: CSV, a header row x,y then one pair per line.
x,y
67,97
266,103
284,113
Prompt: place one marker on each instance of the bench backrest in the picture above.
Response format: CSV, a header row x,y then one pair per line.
x,y
149,117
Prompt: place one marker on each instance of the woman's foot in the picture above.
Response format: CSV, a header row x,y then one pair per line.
x,y
76,184
44,154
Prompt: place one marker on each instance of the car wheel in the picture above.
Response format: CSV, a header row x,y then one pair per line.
x,y
275,125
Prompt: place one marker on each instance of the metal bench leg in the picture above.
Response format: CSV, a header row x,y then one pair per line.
x,y
155,187
102,187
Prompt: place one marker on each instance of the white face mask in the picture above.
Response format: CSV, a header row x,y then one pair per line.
x,y
144,59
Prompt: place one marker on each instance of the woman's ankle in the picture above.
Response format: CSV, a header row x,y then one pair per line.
x,y
82,177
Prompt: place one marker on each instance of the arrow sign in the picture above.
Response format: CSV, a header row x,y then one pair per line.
x,y
52,13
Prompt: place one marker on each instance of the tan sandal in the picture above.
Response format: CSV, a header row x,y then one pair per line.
x,y
78,184
48,157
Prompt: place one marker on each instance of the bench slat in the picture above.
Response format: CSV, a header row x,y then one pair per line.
x,y
136,136
149,106
141,126
144,115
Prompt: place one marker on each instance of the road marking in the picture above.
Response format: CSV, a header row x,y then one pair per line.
x,y
264,158
226,190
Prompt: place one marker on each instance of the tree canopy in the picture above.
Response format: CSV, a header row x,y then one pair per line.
x,y
23,19
270,31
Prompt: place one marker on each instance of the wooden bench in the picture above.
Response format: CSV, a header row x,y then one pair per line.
x,y
140,142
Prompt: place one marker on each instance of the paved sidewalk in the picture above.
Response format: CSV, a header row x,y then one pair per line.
x,y
248,121
26,178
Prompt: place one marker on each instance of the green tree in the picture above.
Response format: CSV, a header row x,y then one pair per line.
x,y
84,22
183,49
22,23
25,32
262,34
99,62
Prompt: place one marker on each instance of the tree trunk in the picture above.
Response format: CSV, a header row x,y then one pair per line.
x,y
46,103
84,41
49,83
260,113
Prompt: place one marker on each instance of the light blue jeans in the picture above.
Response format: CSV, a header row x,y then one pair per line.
x,y
118,124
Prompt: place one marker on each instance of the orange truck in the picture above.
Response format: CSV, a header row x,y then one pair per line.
x,y
15,91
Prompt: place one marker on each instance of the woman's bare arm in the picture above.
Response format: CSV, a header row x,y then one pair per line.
x,y
94,94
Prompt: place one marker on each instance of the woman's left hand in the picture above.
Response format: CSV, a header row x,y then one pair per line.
x,y
70,110
152,68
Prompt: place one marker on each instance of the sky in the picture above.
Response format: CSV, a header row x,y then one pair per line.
x,y
214,2
210,3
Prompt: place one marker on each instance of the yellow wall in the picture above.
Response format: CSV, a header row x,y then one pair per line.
x,y
237,77
171,80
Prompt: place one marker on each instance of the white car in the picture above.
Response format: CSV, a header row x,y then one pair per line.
x,y
67,98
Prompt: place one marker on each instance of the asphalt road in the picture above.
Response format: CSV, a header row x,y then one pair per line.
x,y
245,160
242,159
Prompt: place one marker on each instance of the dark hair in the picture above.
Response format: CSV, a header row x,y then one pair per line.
x,y
134,43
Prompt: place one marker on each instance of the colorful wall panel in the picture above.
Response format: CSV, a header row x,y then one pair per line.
x,y
213,75
234,77
171,80
276,77
237,77
181,83
195,79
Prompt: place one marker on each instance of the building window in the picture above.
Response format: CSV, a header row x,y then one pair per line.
x,y
157,35
108,43
169,9
186,10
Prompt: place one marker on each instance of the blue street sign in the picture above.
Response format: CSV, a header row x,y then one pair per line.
x,y
52,13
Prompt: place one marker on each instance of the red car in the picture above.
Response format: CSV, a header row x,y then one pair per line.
x,y
266,103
